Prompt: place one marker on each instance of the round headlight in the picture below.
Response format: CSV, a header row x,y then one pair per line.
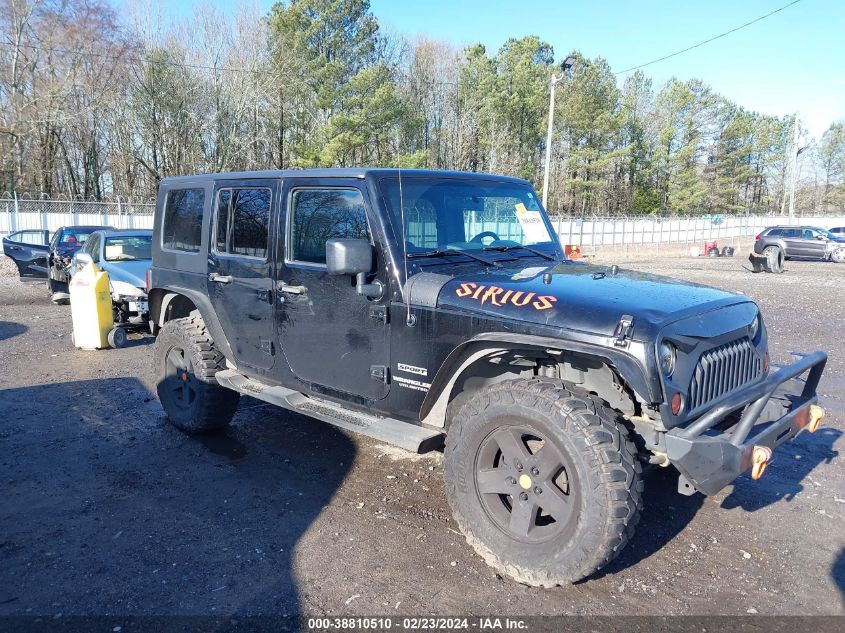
x,y
666,358
754,327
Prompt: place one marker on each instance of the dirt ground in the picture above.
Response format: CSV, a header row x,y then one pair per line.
x,y
108,510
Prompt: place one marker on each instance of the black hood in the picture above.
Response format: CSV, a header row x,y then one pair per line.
x,y
582,297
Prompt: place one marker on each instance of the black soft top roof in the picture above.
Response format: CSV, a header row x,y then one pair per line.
x,y
351,172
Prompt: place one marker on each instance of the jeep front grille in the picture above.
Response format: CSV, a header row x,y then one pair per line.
x,y
723,369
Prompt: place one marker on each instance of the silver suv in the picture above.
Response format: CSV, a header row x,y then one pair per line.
x,y
800,241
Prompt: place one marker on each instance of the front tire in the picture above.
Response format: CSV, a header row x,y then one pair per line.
x,y
186,362
542,480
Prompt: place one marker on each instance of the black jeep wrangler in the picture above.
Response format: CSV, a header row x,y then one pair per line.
x,y
426,308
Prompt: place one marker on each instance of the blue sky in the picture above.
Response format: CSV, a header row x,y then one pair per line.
x,y
791,61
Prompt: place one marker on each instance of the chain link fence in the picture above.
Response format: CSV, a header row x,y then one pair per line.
x,y
588,233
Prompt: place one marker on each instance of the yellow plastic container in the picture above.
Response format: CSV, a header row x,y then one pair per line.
x,y
91,308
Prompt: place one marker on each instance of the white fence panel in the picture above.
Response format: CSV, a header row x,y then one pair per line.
x,y
587,232
18,215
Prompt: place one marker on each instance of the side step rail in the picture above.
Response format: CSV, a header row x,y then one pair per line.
x,y
411,437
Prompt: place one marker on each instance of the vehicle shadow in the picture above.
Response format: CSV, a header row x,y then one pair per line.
x,y
838,573
110,510
139,339
9,329
785,477
665,515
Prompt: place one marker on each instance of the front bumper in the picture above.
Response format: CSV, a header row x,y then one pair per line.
x,y
710,455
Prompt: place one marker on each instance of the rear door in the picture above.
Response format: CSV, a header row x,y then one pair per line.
x,y
29,251
330,335
795,246
240,266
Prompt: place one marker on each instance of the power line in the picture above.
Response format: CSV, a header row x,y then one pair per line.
x,y
707,41
255,71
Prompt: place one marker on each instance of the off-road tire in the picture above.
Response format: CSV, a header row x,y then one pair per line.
x,y
209,407
607,479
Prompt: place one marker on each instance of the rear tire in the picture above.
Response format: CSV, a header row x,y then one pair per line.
x,y
186,362
543,480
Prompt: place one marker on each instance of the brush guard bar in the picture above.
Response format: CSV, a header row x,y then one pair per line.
x,y
709,458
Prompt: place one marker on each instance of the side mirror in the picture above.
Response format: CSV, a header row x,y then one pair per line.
x,y
346,256
821,237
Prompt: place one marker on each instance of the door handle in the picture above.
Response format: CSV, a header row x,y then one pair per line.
x,y
220,279
291,290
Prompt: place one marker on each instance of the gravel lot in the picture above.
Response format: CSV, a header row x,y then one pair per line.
x,y
108,510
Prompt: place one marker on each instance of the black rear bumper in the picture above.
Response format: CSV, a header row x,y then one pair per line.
x,y
710,456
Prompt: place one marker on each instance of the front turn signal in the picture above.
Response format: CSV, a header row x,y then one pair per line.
x,y
816,416
677,403
760,457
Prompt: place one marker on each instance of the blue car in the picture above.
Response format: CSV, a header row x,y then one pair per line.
x,y
126,256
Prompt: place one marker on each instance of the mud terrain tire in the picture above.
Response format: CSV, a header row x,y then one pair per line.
x,y
186,361
599,475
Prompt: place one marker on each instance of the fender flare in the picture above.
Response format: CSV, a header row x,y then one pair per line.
x,y
202,304
629,367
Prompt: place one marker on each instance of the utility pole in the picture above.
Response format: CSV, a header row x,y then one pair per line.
x,y
793,169
565,65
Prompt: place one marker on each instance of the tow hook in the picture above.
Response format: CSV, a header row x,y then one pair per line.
x,y
760,457
816,416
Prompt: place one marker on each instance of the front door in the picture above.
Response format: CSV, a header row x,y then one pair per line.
x,y
331,336
240,267
815,244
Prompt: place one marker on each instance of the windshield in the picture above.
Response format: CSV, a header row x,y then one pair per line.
x,y
128,248
466,215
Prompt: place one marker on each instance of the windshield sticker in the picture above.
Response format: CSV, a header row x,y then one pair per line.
x,y
500,297
531,223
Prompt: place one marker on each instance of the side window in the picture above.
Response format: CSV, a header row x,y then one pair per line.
x,y
15,237
243,221
30,237
317,215
182,225
791,233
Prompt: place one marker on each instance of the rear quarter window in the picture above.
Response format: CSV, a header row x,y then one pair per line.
x,y
182,223
774,232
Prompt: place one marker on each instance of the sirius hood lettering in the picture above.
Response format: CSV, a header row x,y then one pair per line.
x,y
499,296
